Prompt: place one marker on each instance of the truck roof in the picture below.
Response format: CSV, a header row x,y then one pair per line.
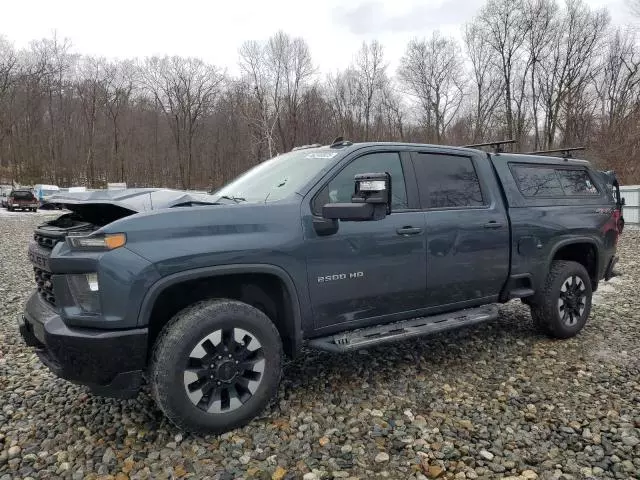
x,y
512,157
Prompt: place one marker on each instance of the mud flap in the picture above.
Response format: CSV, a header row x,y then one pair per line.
x,y
608,273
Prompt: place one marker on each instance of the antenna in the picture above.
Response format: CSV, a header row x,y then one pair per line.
x,y
566,152
340,142
497,145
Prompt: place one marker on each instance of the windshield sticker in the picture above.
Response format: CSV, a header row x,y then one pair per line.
x,y
321,155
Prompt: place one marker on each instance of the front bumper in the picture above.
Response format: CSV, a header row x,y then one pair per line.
x,y
109,362
24,205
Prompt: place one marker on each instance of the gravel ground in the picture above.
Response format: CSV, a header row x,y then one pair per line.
x,y
494,401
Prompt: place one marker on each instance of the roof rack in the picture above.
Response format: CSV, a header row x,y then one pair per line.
x,y
497,145
566,152
340,142
304,147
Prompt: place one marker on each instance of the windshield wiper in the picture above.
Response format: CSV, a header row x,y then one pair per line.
x,y
234,199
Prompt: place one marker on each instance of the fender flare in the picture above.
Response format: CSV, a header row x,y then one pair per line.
x,y
150,298
568,241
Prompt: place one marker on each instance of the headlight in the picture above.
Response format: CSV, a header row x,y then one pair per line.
x,y
107,241
84,289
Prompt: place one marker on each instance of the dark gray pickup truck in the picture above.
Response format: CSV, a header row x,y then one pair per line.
x,y
335,247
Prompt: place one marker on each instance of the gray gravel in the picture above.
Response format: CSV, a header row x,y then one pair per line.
x,y
495,401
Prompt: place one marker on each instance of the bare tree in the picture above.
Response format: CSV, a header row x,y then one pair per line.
x,y
568,66
264,74
432,71
118,87
185,89
8,76
392,112
90,85
506,29
347,102
54,66
541,17
619,79
293,56
485,77
371,74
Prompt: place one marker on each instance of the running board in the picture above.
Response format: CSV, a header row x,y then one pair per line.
x,y
415,327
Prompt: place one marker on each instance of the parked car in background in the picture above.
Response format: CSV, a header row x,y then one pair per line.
x,y
43,192
22,199
5,190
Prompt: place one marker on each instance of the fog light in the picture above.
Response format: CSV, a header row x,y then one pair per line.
x,y
92,280
84,290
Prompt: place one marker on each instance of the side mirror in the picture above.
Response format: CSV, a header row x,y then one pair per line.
x,y
371,200
622,201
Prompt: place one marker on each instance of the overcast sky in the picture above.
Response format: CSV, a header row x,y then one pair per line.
x,y
213,30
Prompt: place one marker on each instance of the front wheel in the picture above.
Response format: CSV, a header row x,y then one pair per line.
x,y
215,366
563,306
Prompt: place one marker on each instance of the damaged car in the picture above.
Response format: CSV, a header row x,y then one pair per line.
x,y
337,247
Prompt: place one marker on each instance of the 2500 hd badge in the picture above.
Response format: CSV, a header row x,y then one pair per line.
x,y
340,276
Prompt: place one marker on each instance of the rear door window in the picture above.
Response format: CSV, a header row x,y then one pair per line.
x,y
447,181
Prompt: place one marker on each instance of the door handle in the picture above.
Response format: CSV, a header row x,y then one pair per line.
x,y
493,224
405,231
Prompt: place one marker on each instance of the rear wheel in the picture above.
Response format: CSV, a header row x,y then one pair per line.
x,y
563,306
215,366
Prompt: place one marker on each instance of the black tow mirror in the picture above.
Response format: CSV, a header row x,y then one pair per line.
x,y
370,200
374,188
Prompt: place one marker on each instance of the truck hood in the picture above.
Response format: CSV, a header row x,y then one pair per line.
x,y
104,206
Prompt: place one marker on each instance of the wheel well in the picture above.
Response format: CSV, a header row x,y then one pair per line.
x,y
266,292
583,253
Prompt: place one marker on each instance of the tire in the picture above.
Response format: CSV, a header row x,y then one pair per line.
x,y
201,331
563,306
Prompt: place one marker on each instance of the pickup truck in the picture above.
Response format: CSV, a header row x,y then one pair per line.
x,y
22,199
337,247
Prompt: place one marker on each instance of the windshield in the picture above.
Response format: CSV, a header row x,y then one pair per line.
x,y
278,177
48,192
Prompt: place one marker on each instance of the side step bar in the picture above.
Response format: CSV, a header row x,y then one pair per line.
x,y
416,327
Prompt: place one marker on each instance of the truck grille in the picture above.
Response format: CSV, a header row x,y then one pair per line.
x,y
45,287
45,241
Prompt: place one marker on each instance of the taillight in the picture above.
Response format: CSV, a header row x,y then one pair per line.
x,y
619,220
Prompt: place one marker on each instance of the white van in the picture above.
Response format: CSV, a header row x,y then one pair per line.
x,y
44,192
